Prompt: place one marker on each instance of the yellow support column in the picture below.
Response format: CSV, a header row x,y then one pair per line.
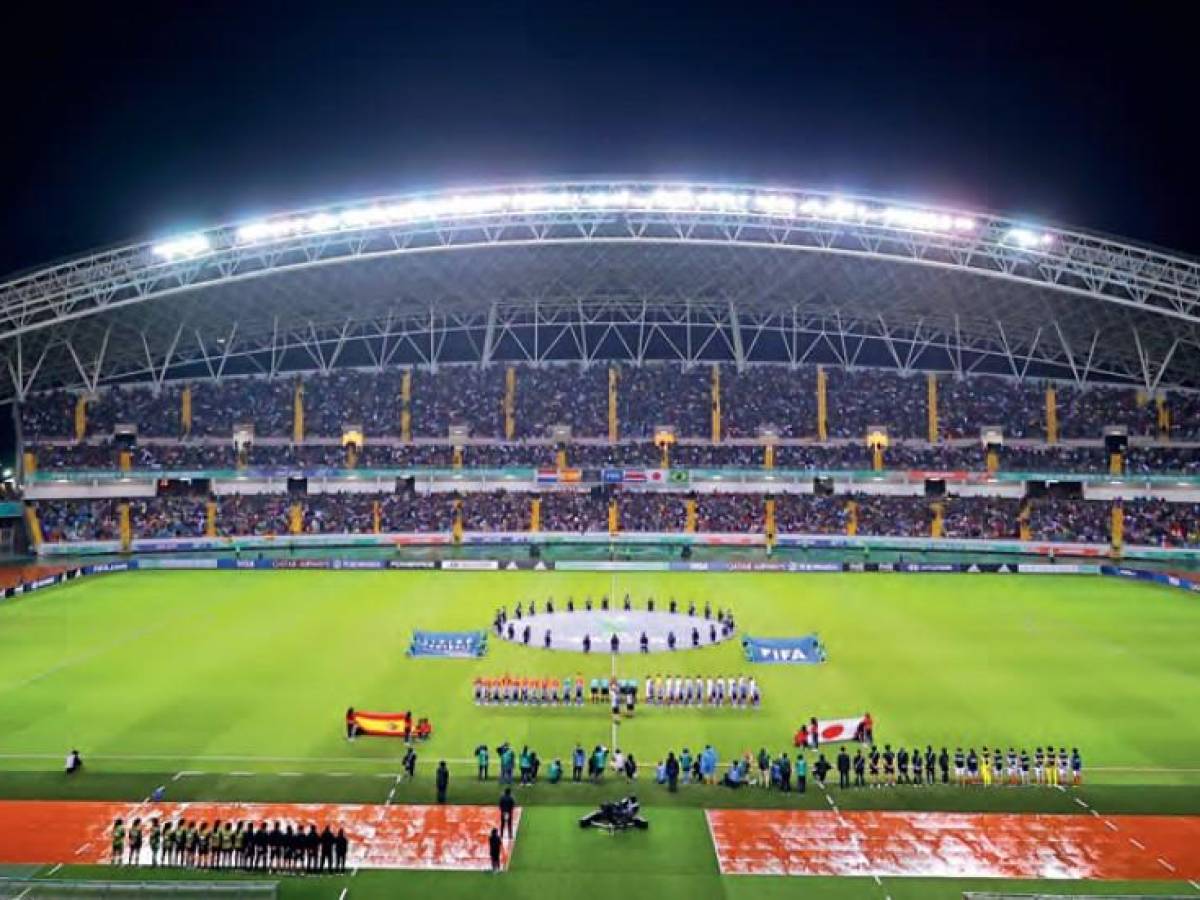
x,y
1023,528
376,518
666,455
822,404
769,456
716,404
1051,416
1164,418
614,517
613,431
298,413
937,526
30,462
125,460
210,519
851,518
1116,463
769,522
510,402
80,418
125,529
457,462
296,519
535,514
877,457
34,525
993,461
1117,534
185,410
931,391
458,521
560,458
351,456
406,407
689,522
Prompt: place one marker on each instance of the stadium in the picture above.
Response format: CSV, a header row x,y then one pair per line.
x,y
856,538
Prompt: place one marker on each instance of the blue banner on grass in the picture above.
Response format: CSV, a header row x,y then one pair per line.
x,y
806,650
457,644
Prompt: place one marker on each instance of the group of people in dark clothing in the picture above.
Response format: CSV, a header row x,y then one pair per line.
x,y
230,845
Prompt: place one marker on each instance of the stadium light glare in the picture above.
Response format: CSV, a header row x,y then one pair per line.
x,y
1027,238
667,198
182,248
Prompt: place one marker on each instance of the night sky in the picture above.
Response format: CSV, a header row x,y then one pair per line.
x,y
133,123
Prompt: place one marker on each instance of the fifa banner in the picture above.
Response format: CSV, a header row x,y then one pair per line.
x,y
382,724
453,644
805,650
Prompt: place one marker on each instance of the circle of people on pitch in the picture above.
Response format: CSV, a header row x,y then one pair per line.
x,y
195,844
719,628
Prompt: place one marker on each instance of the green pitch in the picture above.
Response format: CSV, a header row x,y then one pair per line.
x,y
155,674
217,671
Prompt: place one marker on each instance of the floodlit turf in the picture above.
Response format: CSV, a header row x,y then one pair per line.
x,y
231,671
154,674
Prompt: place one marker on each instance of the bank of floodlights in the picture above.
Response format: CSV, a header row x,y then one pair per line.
x,y
777,206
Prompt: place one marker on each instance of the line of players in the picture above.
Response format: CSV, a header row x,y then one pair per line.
x,y
888,767
670,690
193,844
688,690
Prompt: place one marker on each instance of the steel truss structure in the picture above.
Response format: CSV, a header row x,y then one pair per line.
x,y
796,278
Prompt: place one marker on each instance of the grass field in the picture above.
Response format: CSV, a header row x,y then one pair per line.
x,y
153,674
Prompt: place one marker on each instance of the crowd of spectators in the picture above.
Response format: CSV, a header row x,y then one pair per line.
x,y
168,517
1148,460
776,397
981,518
1153,522
966,404
862,398
884,515
561,395
78,520
253,514
655,394
647,511
1063,519
735,513
1157,522
810,514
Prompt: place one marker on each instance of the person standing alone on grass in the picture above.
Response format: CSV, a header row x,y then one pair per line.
x,y
494,845
507,805
672,772
801,772
443,781
481,757
577,759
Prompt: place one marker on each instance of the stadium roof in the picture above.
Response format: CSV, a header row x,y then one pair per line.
x,y
625,270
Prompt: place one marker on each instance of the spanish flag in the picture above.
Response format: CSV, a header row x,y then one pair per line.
x,y
383,724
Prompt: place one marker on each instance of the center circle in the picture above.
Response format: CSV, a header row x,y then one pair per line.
x,y
568,629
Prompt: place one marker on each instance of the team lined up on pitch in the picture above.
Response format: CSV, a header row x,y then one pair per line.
x,y
874,767
230,845
672,690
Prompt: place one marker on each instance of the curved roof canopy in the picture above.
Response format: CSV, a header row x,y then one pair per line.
x,y
587,271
